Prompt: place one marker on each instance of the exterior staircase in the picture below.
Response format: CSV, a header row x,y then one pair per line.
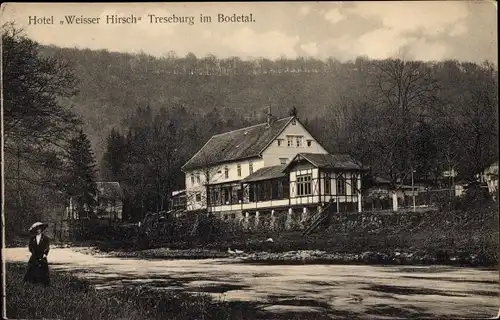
x,y
320,218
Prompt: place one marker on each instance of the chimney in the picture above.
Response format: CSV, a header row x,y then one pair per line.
x,y
270,118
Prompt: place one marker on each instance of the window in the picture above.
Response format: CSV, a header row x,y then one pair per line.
x,y
239,170
250,167
354,184
304,185
327,184
341,186
198,178
251,192
192,179
217,197
298,141
294,141
197,197
280,142
286,188
283,161
276,189
309,143
263,191
226,195
226,172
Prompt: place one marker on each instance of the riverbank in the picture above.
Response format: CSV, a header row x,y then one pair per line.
x,y
310,257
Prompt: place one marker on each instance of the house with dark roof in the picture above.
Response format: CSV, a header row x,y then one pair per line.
x,y
109,200
270,167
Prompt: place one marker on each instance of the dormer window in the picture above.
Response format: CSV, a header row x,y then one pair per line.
x,y
192,179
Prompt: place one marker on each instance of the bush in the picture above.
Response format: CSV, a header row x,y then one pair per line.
x,y
474,197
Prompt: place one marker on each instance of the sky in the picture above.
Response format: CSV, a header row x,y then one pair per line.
x,y
422,30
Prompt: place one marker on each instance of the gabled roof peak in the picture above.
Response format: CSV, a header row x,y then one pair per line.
x,y
341,161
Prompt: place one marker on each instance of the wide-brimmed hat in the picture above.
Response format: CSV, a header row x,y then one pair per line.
x,y
37,225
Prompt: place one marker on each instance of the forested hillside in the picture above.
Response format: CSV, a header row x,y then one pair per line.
x,y
112,85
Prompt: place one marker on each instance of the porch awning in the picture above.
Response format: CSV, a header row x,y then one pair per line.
x,y
267,173
328,161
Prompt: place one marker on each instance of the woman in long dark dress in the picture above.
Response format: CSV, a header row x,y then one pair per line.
x,y
38,266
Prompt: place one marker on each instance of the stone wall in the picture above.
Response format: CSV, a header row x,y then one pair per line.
x,y
275,220
360,223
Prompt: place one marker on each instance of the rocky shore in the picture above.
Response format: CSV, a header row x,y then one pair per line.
x,y
396,257
310,256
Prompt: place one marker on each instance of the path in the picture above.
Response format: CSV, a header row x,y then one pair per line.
x,y
354,291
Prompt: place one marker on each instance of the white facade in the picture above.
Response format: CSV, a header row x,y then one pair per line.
x,y
325,188
196,179
280,149
491,178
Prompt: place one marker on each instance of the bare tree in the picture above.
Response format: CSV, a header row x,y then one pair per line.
x,y
381,131
209,173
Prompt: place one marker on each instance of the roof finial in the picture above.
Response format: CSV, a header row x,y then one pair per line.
x,y
293,112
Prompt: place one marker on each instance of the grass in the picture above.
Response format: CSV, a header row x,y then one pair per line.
x,y
71,298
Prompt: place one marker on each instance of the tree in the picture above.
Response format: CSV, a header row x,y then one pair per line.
x,y
149,156
479,118
403,93
164,158
114,157
37,121
80,183
33,88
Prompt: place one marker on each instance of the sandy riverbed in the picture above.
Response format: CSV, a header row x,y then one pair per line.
x,y
349,290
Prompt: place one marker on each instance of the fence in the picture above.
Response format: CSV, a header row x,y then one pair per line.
x,y
423,199
68,230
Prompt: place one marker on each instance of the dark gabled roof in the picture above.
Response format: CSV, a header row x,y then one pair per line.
x,y
266,174
109,190
329,161
238,144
